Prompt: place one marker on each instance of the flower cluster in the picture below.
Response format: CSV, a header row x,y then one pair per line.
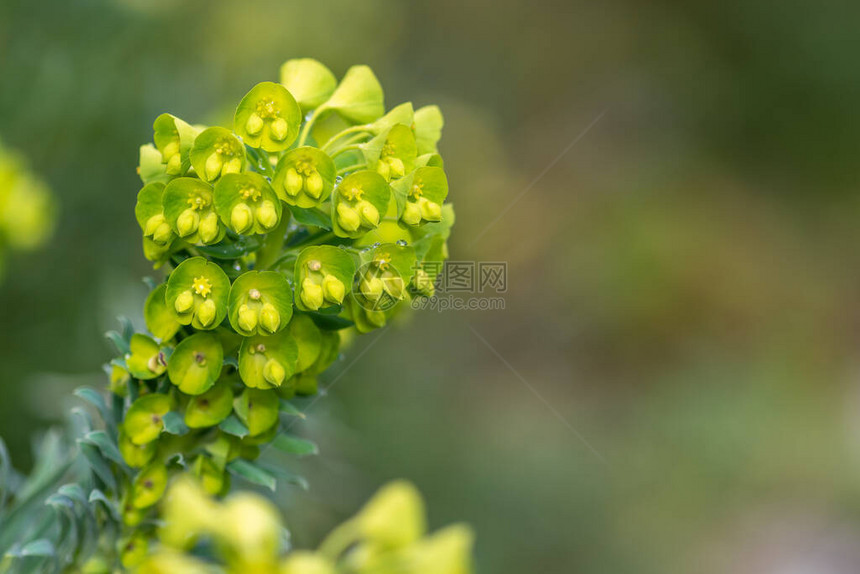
x,y
26,206
280,236
388,535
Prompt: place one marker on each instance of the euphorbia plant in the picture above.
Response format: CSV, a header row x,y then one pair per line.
x,y
312,216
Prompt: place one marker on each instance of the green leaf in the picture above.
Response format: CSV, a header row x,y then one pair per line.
x,y
174,424
260,302
233,426
216,152
96,399
196,363
290,409
268,117
252,473
107,447
41,547
358,97
294,445
97,495
310,82
313,216
121,344
97,463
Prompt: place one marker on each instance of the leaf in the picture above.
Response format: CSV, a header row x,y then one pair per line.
x,y
97,463
294,445
121,344
286,476
252,473
41,547
174,424
311,216
290,409
96,399
232,425
97,495
227,249
107,447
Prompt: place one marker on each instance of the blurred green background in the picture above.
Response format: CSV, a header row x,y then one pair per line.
x,y
673,384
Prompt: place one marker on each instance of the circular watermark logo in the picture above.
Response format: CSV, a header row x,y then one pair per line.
x,y
378,287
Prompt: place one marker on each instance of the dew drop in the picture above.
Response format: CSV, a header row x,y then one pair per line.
x,y
338,179
402,242
308,116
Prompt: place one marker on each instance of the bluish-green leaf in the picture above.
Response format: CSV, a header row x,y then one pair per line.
x,y
232,425
252,473
294,445
174,423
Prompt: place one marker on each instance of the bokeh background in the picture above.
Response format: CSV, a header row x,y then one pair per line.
x,y
674,383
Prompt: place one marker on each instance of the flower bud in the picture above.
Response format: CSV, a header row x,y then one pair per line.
x,y
278,129
293,182
314,185
371,287
369,214
347,217
411,214
270,319
274,372
152,224
162,234
333,289
184,302
233,166
397,167
430,210
169,151
174,164
384,169
206,312
312,294
247,318
393,284
187,222
214,165
208,228
267,216
241,218
254,125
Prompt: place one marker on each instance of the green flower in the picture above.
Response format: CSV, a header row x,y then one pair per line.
x,y
190,211
260,302
210,408
174,138
160,319
149,485
310,82
420,195
358,202
322,274
247,204
197,292
150,215
143,420
392,153
266,362
268,117
305,177
196,363
428,123
147,359
257,409
217,152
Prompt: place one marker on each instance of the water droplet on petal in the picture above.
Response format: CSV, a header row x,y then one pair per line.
x,y
338,179
402,242
308,116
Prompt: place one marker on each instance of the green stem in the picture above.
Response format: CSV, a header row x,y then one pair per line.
x,y
306,130
361,131
349,168
345,148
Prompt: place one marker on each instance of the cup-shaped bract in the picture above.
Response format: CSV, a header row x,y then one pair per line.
x,y
257,409
305,562
268,117
150,215
196,363
305,177
447,550
210,408
323,275
190,210
146,359
358,98
135,455
329,349
392,153
358,203
260,303
143,420
394,517
266,362
420,195
174,138
212,478
401,114
149,485
247,204
197,292
310,82
160,319
216,152
428,123
308,339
